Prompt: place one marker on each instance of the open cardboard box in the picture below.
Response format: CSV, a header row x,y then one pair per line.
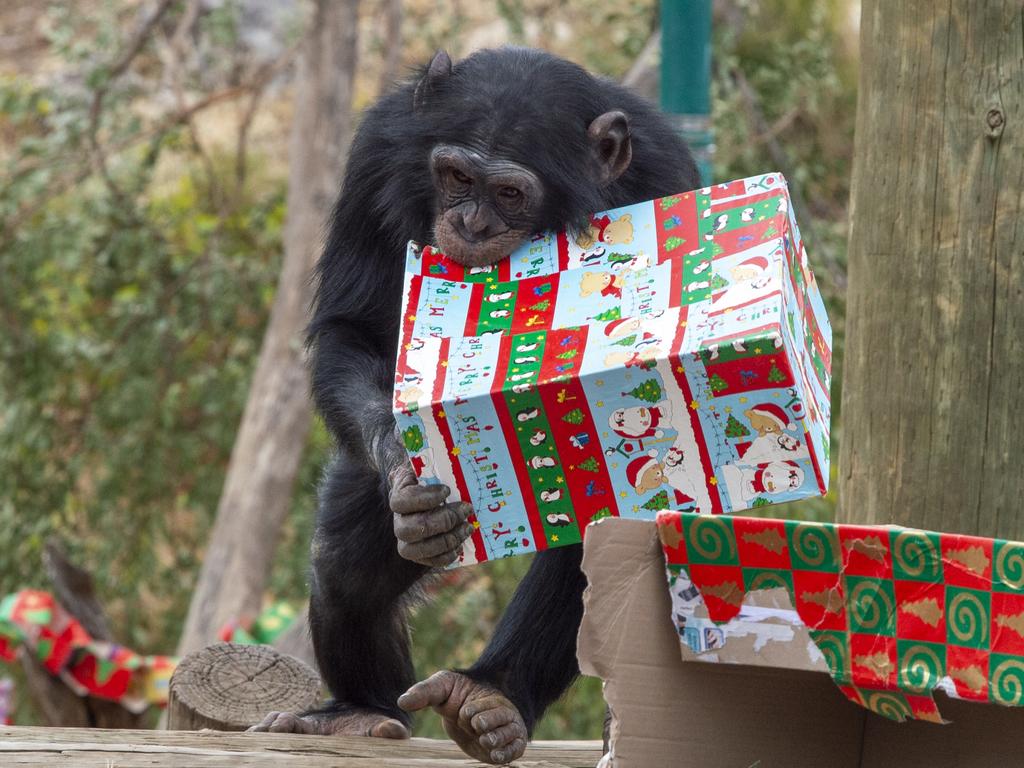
x,y
667,712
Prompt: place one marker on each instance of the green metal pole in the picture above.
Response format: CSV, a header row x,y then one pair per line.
x,y
686,75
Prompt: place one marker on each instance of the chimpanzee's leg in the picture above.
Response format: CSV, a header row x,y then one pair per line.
x,y
489,710
359,591
532,655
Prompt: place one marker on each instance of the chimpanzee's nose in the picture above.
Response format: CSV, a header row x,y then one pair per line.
x,y
475,225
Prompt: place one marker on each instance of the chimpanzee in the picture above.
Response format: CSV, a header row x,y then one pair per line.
x,y
476,157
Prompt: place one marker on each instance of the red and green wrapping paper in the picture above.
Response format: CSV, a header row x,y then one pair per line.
x,y
35,620
675,356
894,612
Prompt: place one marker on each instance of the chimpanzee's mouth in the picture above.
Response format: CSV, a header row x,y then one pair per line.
x,y
480,253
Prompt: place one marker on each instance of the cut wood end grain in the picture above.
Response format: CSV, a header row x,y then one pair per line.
x,y
228,687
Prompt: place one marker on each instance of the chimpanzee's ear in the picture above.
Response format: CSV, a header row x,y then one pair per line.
x,y
440,67
610,145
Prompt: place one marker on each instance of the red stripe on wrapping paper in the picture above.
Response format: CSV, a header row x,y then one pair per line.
x,y
576,481
562,241
437,410
401,364
686,210
675,289
738,307
521,313
814,462
508,428
676,362
476,303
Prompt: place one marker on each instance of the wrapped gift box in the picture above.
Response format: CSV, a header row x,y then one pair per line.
x,y
675,356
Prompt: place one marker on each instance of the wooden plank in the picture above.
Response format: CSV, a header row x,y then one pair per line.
x,y
934,360
86,747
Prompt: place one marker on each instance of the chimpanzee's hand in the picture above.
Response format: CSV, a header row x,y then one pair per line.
x,y
429,531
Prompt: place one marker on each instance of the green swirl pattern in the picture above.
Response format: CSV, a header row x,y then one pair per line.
x,y
766,579
872,605
921,666
834,648
709,539
915,555
815,547
1007,686
1008,572
887,704
967,617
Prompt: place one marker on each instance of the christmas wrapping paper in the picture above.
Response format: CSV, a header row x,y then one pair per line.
x,y
676,355
35,620
894,613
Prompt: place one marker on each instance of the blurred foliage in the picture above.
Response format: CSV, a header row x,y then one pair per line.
x,y
136,281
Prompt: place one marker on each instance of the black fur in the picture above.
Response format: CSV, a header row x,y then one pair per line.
x,y
534,109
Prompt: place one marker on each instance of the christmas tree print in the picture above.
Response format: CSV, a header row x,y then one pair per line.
x,y
717,383
589,464
540,290
648,390
657,502
541,306
575,416
568,354
619,258
775,375
668,202
718,282
412,438
734,428
626,342
770,232
601,513
671,243
760,501
614,313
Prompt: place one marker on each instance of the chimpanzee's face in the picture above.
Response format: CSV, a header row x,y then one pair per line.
x,y
486,207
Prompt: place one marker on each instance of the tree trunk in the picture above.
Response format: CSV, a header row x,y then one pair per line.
x,y
934,369
265,458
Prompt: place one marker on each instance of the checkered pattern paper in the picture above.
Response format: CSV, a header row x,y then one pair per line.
x,y
896,612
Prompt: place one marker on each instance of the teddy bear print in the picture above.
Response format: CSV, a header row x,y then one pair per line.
x,y
604,230
605,283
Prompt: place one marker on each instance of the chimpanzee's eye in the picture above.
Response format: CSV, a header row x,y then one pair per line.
x,y
460,177
510,197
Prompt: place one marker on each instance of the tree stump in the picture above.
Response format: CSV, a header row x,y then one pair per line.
x,y
228,687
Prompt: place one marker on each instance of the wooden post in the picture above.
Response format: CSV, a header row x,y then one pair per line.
x,y
933,386
228,687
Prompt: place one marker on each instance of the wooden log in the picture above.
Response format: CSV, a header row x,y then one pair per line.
x,y
228,687
934,360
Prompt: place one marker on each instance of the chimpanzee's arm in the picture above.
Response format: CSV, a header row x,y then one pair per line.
x,y
352,388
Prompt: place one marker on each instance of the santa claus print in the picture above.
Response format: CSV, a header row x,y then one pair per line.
x,y
752,281
640,422
771,479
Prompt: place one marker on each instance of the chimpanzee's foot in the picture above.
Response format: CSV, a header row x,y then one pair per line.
x,y
477,717
351,721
